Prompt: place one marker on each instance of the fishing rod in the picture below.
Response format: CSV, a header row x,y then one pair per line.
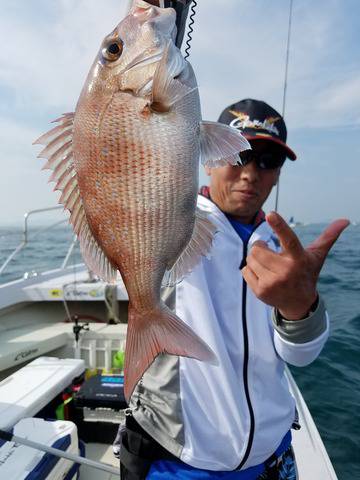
x,y
9,437
285,88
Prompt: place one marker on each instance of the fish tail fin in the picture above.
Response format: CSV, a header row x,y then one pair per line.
x,y
154,332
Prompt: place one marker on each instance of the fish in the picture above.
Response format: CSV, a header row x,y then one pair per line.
x,y
126,162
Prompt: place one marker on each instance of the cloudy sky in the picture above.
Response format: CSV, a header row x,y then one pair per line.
x,y
238,51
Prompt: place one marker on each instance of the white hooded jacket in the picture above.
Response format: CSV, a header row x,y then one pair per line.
x,y
234,414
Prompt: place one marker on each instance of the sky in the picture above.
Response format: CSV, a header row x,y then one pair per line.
x,y
238,51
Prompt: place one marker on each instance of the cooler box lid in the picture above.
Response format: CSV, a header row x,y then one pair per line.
x,y
102,391
18,462
30,388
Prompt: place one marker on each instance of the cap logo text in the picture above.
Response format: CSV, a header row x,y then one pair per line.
x,y
243,121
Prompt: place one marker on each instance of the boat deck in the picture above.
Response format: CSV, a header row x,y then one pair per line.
x,y
312,459
101,453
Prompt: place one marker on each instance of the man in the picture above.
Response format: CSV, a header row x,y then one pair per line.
x,y
256,305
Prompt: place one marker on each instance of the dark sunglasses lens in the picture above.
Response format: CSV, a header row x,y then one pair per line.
x,y
264,161
245,157
269,161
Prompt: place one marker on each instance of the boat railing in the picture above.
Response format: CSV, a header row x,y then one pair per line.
x,y
42,230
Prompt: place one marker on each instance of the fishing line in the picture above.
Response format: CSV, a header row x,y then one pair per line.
x,y
190,27
287,59
285,88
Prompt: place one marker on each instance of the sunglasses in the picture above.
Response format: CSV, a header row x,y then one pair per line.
x,y
264,161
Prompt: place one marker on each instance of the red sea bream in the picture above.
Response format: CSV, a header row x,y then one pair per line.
x,y
127,165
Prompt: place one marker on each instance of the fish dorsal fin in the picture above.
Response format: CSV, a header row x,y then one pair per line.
x,y
167,89
58,152
199,245
220,144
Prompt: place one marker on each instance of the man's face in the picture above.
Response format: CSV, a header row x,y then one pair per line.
x,y
241,191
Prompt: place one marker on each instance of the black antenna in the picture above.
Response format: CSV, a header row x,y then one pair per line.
x,y
285,88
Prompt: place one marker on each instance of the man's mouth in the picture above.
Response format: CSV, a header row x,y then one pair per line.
x,y
247,193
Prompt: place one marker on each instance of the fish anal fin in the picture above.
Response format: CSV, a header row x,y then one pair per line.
x,y
154,332
220,144
198,246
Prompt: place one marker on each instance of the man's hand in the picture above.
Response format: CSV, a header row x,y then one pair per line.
x,y
287,280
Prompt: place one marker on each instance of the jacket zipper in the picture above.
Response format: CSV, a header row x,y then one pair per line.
x,y
246,350
246,360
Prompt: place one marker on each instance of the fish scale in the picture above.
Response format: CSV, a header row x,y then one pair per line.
x,y
130,167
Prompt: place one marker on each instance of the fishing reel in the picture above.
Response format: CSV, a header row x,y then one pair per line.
x,y
182,9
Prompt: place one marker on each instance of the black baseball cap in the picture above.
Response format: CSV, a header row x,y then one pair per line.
x,y
257,120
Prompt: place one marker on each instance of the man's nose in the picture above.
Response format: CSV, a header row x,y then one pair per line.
x,y
250,171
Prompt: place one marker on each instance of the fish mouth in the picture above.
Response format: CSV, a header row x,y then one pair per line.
x,y
141,62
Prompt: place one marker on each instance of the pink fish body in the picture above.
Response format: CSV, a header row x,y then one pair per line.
x,y
127,164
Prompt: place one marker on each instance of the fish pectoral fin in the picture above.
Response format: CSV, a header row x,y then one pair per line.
x,y
59,154
220,144
167,89
198,246
152,333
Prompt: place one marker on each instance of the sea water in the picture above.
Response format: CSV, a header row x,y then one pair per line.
x,y
330,385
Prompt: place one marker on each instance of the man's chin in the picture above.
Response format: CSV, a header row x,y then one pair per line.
x,y
242,214
244,205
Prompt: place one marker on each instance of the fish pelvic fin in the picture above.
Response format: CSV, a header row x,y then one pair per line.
x,y
59,154
168,90
94,256
220,144
155,332
199,246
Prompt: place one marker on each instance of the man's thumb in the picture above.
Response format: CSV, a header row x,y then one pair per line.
x,y
323,243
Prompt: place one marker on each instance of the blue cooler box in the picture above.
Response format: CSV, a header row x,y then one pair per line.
x,y
18,462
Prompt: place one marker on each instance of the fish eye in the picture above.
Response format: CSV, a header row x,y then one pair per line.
x,y
113,50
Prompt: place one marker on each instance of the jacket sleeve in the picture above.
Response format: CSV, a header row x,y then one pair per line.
x,y
300,342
